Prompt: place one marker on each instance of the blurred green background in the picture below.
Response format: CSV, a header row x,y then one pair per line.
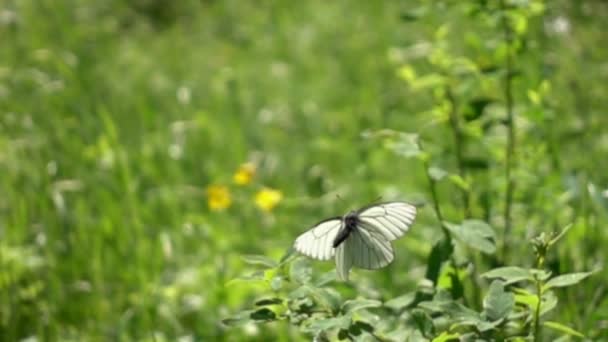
x,y
123,124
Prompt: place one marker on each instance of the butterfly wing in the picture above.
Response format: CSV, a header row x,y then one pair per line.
x,y
317,242
391,219
363,249
370,250
344,260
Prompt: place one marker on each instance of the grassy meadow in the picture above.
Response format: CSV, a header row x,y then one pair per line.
x,y
158,159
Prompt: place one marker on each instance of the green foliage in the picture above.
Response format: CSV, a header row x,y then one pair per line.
x,y
158,158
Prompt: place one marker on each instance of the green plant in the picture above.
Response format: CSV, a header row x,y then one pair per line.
x,y
453,301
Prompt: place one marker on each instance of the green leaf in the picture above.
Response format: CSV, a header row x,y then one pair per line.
x,y
455,310
549,302
363,326
322,324
475,235
256,276
300,271
541,275
480,227
432,80
446,336
288,254
343,335
276,283
326,278
268,301
263,314
566,280
560,235
422,321
260,260
404,144
436,173
523,296
562,328
476,107
401,302
414,14
487,326
240,318
510,274
498,303
475,163
329,298
359,304
440,253
459,182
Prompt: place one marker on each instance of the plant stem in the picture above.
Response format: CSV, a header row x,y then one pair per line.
x,y
510,149
435,198
537,329
459,146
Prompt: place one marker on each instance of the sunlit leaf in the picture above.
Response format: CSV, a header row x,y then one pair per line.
x,y
260,260
359,304
255,276
404,144
475,234
323,324
566,280
459,182
562,328
401,302
446,336
432,80
510,274
276,283
436,173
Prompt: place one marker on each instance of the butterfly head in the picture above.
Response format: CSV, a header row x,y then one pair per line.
x,y
351,219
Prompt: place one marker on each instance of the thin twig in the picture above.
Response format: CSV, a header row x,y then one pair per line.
x,y
435,198
459,146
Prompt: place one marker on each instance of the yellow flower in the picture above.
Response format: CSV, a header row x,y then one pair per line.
x,y
244,174
266,199
218,197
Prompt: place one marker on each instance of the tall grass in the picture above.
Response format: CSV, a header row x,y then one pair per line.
x,y
115,117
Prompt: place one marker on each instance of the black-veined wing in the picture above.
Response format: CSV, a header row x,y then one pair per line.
x,y
391,219
317,242
363,249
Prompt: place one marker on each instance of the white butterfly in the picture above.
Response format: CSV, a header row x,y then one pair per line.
x,y
360,238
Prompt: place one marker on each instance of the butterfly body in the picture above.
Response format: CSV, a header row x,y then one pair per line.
x,y
361,238
349,224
